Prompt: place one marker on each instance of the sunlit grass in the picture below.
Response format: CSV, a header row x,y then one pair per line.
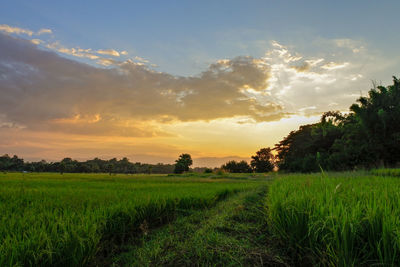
x,y
350,220
63,220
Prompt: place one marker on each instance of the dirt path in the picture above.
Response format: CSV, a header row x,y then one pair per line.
x,y
233,233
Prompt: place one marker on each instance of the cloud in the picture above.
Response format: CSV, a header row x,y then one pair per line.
x,y
140,59
109,52
9,29
44,31
335,66
76,52
57,106
88,53
106,61
332,77
43,90
16,30
36,41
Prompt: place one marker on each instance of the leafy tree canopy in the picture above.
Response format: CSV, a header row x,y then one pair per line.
x,y
183,163
237,167
369,136
263,161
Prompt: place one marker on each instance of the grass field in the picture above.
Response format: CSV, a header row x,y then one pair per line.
x,y
338,219
77,219
230,234
386,172
330,219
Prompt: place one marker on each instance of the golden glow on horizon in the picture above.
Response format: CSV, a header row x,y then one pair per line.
x,y
217,138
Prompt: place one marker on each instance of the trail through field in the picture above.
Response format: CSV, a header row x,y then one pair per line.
x,y
232,233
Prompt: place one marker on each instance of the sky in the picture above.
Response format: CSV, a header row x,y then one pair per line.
x,y
150,80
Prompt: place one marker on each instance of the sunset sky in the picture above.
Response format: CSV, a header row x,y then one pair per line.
x,y
149,80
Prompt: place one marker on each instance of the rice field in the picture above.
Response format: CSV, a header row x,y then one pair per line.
x,y
386,172
337,219
48,219
329,219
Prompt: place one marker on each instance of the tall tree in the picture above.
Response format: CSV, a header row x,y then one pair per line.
x,y
379,116
183,163
263,161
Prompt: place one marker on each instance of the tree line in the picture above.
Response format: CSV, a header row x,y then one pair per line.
x,y
366,137
95,165
261,162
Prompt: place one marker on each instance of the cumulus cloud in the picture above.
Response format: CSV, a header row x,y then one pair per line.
x,y
300,82
42,90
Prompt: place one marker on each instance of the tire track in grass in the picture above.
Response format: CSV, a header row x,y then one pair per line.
x,y
233,233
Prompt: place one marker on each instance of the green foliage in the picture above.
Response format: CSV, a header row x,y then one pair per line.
x,y
367,137
96,165
8,163
344,221
237,167
70,220
232,233
263,160
379,116
183,163
208,170
386,172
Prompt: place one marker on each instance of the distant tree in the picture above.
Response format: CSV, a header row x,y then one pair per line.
x,y
110,168
237,167
183,163
149,169
263,160
5,162
208,170
62,167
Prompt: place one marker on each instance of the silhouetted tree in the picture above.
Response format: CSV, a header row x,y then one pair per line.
x,y
369,136
263,161
237,167
183,163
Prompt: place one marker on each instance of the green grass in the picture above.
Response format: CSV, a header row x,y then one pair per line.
x,y
350,220
386,172
230,234
334,219
76,219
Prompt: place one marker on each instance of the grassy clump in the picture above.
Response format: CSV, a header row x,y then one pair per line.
x,y
72,219
344,221
386,172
